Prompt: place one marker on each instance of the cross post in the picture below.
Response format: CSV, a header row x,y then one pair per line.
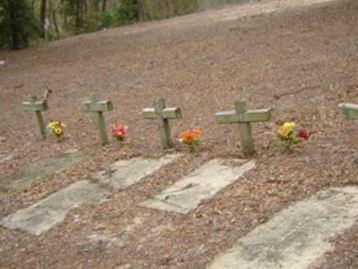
x,y
98,106
244,118
162,114
37,106
350,111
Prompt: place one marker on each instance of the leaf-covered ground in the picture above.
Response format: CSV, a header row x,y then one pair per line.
x,y
300,62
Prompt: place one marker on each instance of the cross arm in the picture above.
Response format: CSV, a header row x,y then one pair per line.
x,y
99,106
349,110
35,106
167,113
257,115
226,117
249,116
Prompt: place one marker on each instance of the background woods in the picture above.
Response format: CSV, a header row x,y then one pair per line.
x,y
17,23
23,21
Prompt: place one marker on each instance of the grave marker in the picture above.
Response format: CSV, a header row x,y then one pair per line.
x,y
44,214
162,114
296,237
37,106
244,118
201,184
125,173
38,172
98,106
349,111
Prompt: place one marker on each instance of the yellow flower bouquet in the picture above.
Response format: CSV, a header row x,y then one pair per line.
x,y
57,129
288,136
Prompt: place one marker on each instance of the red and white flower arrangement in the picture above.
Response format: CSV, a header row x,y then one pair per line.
x,y
119,132
288,135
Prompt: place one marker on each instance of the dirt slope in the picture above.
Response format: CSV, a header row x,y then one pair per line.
x,y
302,63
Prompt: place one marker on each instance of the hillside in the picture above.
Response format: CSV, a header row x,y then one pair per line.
x,y
301,61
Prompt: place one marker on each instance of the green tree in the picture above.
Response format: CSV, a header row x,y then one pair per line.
x,y
43,9
90,15
17,24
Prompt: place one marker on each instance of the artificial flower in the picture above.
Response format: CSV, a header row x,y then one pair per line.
x,y
119,131
192,138
303,134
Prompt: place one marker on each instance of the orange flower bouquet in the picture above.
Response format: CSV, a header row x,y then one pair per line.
x,y
191,138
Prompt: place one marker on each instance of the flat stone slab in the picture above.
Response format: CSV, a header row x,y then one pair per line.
x,y
123,174
297,237
5,158
22,179
203,183
46,213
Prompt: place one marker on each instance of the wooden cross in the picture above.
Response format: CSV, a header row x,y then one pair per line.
x,y
98,107
244,117
350,111
162,114
37,106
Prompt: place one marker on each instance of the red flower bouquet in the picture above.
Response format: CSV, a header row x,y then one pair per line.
x,y
119,131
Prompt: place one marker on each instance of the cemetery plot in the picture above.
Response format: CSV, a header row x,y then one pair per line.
x,y
126,173
46,213
202,66
97,106
37,106
349,111
162,114
40,171
203,183
244,118
297,236
43,215
5,158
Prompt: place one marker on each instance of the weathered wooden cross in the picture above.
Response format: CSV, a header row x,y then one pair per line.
x,y
37,106
244,117
350,111
162,114
98,107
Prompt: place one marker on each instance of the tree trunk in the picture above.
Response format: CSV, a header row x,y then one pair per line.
x,y
15,41
55,23
78,14
33,6
139,10
104,5
43,18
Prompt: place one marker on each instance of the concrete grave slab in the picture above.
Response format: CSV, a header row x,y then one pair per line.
x,y
46,213
296,237
203,183
40,171
123,174
107,238
5,158
126,266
